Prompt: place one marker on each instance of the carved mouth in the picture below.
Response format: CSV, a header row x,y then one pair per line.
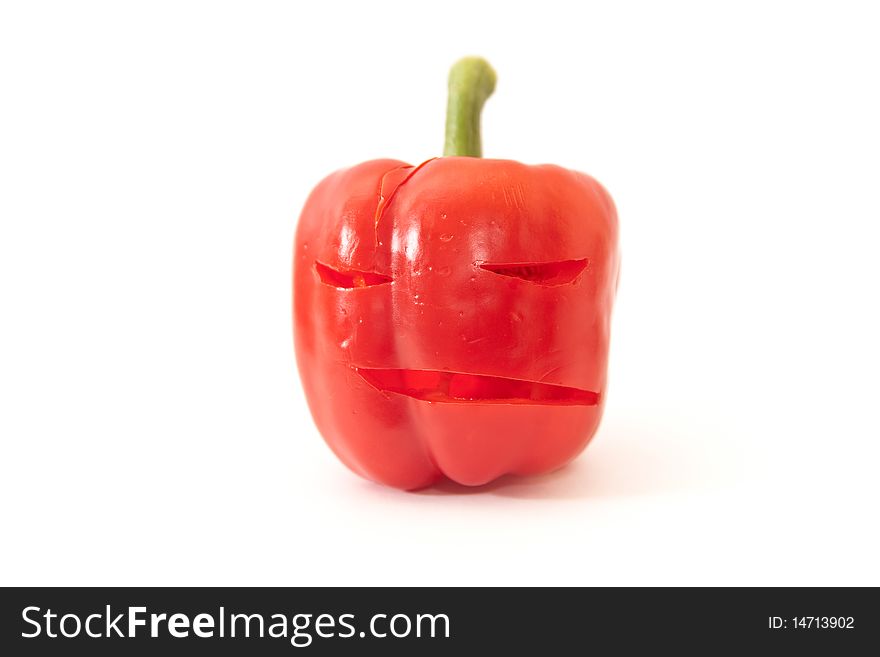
x,y
457,387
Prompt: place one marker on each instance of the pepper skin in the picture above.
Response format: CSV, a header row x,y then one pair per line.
x,y
452,319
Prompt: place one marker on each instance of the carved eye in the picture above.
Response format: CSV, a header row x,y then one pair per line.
x,y
542,273
349,278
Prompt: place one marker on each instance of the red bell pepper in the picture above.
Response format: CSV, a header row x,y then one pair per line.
x,y
452,318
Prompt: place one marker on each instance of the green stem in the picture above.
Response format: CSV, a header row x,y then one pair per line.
x,y
471,82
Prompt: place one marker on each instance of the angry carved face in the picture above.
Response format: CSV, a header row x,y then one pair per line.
x,y
453,318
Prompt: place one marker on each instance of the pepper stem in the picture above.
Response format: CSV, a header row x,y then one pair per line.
x,y
471,82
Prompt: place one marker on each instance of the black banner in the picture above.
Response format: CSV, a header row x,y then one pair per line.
x,y
433,621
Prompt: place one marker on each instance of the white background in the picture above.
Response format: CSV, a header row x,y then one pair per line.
x,y
153,161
